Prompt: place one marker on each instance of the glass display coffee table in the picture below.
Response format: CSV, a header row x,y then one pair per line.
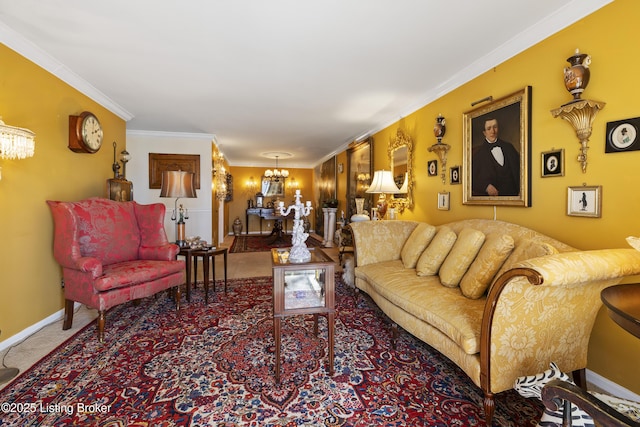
x,y
303,288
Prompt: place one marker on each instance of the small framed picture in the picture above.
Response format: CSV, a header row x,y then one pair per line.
x,y
454,175
432,167
585,201
443,201
622,135
552,163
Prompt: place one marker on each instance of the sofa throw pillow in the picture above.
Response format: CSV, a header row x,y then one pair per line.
x,y
461,256
525,250
432,258
419,239
495,250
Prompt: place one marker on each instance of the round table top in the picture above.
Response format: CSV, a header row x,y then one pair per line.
x,y
623,302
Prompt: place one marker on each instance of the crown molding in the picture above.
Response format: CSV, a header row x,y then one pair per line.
x,y
33,53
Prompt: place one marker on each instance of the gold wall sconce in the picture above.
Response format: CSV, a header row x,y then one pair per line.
x,y
580,113
15,143
439,148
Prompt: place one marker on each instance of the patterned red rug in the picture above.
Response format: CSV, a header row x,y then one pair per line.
x,y
264,243
212,365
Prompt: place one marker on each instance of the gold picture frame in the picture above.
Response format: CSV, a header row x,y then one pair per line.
x,y
510,119
585,201
160,162
443,201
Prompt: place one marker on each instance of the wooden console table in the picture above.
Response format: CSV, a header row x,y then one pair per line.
x,y
269,214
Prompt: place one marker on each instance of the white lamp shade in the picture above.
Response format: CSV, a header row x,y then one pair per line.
x,y
383,183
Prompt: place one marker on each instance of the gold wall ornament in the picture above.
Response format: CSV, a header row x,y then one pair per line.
x,y
400,151
439,148
581,115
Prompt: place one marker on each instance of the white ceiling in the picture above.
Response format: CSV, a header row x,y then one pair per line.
x,y
299,76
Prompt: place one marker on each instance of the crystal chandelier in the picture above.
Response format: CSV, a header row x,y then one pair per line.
x,y
276,173
15,142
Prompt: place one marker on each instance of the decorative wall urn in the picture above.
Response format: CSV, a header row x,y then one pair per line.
x,y
576,77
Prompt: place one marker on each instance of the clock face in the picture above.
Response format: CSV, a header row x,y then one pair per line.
x,y
91,133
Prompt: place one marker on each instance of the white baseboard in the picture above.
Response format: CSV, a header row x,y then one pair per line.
x,y
26,333
609,387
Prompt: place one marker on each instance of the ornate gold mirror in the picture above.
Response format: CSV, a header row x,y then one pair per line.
x,y
401,159
359,174
272,188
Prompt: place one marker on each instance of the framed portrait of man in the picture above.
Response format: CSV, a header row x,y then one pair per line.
x,y
497,152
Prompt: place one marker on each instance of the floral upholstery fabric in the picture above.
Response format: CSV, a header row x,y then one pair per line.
x,y
525,250
376,244
425,298
434,255
532,324
495,250
462,254
416,244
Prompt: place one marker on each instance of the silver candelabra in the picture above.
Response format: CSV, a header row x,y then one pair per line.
x,y
299,251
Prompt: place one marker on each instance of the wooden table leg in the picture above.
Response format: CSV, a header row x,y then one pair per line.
x,y
188,262
276,335
315,325
213,270
330,328
225,270
205,268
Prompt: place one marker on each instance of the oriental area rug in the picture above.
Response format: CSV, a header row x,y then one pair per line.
x,y
245,243
213,365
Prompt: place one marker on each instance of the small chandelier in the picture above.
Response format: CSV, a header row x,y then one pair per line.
x,y
15,142
276,174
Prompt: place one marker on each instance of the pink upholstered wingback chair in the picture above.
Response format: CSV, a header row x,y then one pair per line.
x,y
113,252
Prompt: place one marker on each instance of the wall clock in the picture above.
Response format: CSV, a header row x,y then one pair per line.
x,y
85,133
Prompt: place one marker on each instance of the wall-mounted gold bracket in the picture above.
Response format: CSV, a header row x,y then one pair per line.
x,y
581,115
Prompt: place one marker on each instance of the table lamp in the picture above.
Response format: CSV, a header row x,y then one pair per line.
x,y
178,184
383,184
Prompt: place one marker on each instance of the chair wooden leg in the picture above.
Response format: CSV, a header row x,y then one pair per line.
x,y
489,407
101,325
68,315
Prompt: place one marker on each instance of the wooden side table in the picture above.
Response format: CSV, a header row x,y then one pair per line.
x,y
303,288
190,253
623,302
205,254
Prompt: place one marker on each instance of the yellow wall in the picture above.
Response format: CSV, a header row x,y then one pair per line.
x,y
613,47
241,193
32,98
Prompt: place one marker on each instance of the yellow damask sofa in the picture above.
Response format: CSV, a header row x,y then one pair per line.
x,y
498,299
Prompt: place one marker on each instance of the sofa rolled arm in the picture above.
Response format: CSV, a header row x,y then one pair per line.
x,y
575,268
543,310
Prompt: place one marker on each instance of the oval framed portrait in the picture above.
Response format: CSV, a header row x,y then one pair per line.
x,y
552,163
622,136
